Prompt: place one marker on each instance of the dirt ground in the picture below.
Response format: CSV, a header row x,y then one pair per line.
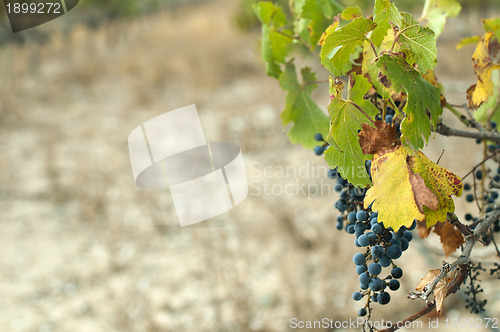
x,y
84,249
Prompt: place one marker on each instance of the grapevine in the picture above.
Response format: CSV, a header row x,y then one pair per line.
x,y
385,105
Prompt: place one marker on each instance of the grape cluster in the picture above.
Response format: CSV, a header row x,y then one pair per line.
x,y
383,246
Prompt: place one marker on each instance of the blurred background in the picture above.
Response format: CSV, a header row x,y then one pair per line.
x,y
83,248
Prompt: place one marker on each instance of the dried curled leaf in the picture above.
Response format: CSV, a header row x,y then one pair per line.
x,y
486,58
442,182
440,291
423,195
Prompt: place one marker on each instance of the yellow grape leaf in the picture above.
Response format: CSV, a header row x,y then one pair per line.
x,y
441,181
468,41
486,58
406,184
391,193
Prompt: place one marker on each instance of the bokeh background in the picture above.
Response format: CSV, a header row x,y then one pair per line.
x,y
82,248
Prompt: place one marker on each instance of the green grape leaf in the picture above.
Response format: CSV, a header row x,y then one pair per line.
x,y
351,13
368,66
436,11
492,25
345,121
423,106
421,41
314,18
339,45
384,13
275,45
308,119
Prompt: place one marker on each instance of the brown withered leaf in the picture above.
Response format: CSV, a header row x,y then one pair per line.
x,y
423,231
440,291
470,90
375,140
356,66
423,195
451,238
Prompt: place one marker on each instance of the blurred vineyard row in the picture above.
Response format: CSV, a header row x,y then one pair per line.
x,y
96,12
246,18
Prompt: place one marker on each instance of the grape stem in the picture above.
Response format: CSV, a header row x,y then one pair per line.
x,y
462,263
361,110
315,82
459,115
475,167
494,242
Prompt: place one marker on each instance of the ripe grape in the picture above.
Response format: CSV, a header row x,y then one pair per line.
x,y
385,261
364,278
318,137
359,259
404,244
383,298
395,241
357,296
397,272
376,284
351,216
363,240
332,173
362,312
341,205
376,228
378,251
374,269
362,215
394,251
360,269
318,150
388,118
393,284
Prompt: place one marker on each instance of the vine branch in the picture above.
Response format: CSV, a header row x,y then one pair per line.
x,y
483,135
